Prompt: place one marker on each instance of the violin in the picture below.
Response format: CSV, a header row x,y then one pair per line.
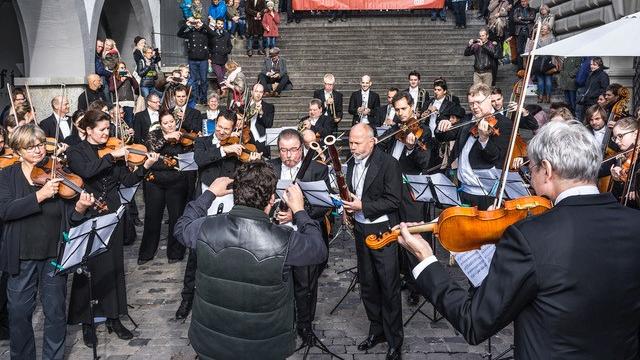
x,y
187,137
467,228
492,121
8,158
70,186
50,145
412,126
136,153
244,139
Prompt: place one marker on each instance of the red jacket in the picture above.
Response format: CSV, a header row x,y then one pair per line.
x,y
270,24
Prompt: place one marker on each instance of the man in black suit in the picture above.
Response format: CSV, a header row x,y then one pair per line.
x,y
568,278
305,278
413,156
146,119
486,151
214,161
58,119
92,92
375,181
420,96
331,99
260,117
316,121
364,103
188,118
386,114
442,106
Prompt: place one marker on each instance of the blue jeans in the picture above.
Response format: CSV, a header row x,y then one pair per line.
x,y
570,98
270,42
146,90
442,13
21,294
544,84
258,42
128,115
459,10
198,76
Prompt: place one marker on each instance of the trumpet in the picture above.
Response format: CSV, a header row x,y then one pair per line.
x,y
331,106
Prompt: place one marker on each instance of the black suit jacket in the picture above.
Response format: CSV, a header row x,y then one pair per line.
x,y
382,189
265,120
381,115
568,279
355,101
141,124
337,101
493,153
192,120
414,163
315,172
211,163
324,126
50,124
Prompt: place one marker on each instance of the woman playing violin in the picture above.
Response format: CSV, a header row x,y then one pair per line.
x,y
624,135
102,177
34,219
165,186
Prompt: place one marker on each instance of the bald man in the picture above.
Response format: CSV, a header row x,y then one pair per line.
x,y
92,93
375,181
58,119
364,103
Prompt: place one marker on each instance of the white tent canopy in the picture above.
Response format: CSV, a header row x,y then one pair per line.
x,y
617,38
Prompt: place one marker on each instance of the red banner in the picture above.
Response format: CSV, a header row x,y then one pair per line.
x,y
367,4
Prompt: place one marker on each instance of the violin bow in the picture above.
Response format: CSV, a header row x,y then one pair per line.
x,y
54,158
13,106
33,111
632,170
516,122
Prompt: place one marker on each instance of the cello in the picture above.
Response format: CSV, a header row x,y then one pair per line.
x,y
463,229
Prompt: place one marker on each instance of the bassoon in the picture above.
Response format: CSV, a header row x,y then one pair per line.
x,y
345,194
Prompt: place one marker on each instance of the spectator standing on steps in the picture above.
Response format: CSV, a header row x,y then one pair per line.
x,y
485,55
459,12
254,10
270,23
198,36
147,69
567,80
220,47
523,18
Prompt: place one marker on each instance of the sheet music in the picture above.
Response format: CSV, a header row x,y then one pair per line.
x,y
186,162
127,193
475,263
316,193
221,204
490,180
282,186
446,191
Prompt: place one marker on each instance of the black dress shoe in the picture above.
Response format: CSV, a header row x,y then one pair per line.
x,y
394,354
114,325
137,222
249,53
370,342
183,310
89,335
414,298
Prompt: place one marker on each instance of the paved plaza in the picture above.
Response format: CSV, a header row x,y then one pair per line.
x,y
154,295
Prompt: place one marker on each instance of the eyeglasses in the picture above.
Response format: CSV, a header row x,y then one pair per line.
x,y
620,136
292,150
472,103
33,148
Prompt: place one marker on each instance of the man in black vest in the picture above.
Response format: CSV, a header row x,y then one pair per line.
x,y
555,276
305,278
375,181
244,304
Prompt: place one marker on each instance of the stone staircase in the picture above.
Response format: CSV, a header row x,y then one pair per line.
x,y
386,48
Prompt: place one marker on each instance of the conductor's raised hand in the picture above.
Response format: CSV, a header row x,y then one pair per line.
x,y
293,198
416,245
220,186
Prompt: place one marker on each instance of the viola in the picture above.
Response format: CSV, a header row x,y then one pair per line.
x,y
136,153
493,122
70,186
467,228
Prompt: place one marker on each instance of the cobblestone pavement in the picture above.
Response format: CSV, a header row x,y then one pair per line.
x,y
154,295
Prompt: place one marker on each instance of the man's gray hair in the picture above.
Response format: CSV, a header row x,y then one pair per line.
x,y
571,149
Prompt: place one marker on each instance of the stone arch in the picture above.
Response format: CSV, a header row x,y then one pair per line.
x,y
121,20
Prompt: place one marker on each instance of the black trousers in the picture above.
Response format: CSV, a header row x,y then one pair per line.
x,y
157,197
379,275
189,281
305,286
410,211
266,82
4,314
21,293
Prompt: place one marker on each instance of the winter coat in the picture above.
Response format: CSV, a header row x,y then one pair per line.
x,y
270,24
197,41
567,76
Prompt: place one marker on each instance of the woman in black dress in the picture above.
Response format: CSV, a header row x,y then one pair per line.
x,y
34,219
102,177
164,186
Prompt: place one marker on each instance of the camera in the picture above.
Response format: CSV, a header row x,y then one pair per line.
x,y
122,73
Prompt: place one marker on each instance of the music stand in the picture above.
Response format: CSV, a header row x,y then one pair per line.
x,y
126,193
186,162
82,243
434,190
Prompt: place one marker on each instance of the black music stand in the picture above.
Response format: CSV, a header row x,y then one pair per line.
x,y
501,356
352,286
82,243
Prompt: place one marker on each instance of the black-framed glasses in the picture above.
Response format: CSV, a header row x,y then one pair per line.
x,y
32,148
292,150
620,136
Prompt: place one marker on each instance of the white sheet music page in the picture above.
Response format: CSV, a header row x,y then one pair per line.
x,y
475,263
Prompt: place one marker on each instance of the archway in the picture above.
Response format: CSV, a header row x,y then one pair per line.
x,y
12,62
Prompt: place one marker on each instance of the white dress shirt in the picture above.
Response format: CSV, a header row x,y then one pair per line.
x,y
391,112
599,135
365,103
63,124
289,173
154,117
415,93
254,129
357,181
433,119
468,180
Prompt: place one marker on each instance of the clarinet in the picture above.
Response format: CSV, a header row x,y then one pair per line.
x,y
308,158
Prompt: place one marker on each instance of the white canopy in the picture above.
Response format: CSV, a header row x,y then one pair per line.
x,y
618,38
